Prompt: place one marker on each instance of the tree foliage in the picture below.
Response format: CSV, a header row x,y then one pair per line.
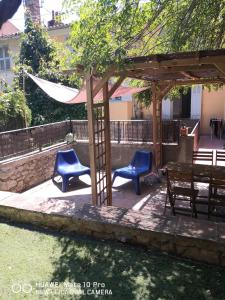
x,y
108,30
105,29
14,112
39,56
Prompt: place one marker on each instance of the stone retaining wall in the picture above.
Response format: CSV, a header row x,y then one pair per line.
x,y
199,240
21,173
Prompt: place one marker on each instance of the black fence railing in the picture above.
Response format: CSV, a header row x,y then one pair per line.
x,y
21,141
131,131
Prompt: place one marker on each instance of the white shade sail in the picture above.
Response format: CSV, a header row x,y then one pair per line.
x,y
69,95
56,91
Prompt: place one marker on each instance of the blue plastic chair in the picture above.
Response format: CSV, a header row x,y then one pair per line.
x,y
141,164
68,165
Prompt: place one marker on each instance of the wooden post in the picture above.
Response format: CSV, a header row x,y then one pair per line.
x,y
159,90
154,124
157,125
91,133
107,144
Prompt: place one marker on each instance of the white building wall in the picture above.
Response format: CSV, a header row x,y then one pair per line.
x,y
167,109
196,101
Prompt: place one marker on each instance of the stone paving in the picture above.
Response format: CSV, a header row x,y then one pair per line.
x,y
48,197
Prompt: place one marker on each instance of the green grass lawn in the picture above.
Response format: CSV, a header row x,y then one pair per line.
x,y
31,259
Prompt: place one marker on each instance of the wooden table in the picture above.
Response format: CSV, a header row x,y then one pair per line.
x,y
203,171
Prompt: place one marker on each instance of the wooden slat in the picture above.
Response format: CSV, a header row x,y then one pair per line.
x,y
91,127
221,67
176,62
169,70
107,144
189,75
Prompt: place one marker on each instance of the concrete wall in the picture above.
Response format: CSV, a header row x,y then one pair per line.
x,y
123,153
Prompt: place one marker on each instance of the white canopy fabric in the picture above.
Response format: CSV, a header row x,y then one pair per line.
x,y
69,95
56,91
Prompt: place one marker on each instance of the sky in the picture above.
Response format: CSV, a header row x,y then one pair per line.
x,y
46,12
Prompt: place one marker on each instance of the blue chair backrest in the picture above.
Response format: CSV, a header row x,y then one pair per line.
x,y
67,157
142,159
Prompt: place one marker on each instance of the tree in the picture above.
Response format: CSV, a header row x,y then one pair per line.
x,y
109,30
14,112
105,29
39,56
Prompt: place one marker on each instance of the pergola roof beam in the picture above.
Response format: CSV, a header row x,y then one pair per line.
x,y
189,75
221,67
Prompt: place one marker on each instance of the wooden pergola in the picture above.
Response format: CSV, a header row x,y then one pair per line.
x,y
163,72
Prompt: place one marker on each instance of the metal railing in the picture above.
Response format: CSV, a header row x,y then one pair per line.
x,y
21,141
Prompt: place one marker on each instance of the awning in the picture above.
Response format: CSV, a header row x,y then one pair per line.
x,y
56,91
69,95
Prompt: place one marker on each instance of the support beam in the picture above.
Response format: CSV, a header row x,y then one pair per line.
x,y
104,79
199,81
157,126
115,86
185,62
159,90
189,75
107,143
91,133
170,70
164,89
220,67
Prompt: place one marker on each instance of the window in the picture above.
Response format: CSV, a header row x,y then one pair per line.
x,y
118,98
4,59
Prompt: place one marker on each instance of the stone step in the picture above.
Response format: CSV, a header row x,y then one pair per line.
x,y
4,195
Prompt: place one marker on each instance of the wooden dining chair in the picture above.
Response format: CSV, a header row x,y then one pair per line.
x,y
220,157
216,191
180,186
202,156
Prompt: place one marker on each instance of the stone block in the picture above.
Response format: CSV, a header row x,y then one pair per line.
x,y
202,230
211,257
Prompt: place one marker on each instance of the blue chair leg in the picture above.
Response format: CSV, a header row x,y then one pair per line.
x,y
65,181
114,177
137,185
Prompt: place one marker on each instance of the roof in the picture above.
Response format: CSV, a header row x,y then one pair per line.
x,y
9,30
179,68
58,26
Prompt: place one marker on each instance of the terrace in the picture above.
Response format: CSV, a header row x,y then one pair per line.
x,y
95,209
30,196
